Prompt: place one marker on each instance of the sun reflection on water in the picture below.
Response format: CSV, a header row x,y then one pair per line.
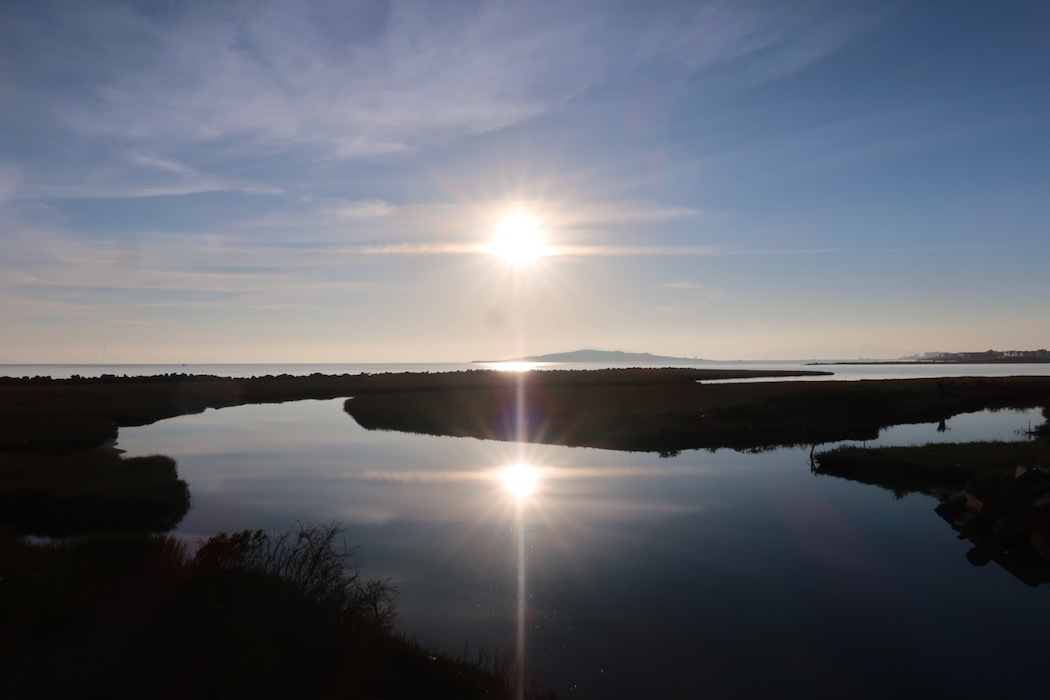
x,y
514,365
520,480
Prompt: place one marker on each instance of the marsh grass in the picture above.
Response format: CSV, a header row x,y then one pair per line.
x,y
313,559
42,413
931,468
665,413
250,614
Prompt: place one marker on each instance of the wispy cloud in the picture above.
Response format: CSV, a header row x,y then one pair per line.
x,y
418,73
550,251
375,226
44,262
313,212
131,191
374,80
589,214
158,163
132,175
747,44
630,251
416,249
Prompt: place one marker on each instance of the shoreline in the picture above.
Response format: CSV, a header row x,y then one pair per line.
x,y
1005,361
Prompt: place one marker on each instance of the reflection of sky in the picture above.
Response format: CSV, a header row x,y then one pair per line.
x,y
314,462
311,461
708,573
1005,425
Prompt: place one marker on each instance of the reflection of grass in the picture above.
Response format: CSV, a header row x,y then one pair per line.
x,y
90,491
667,413
674,413
251,615
932,467
945,457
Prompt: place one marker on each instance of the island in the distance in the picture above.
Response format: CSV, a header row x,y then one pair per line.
x,y
610,356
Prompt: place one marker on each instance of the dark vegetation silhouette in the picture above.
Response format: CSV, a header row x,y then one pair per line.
x,y
666,413
78,413
250,614
94,491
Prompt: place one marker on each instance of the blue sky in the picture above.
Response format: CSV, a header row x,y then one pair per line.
x,y
318,180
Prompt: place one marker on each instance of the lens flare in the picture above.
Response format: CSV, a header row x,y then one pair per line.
x,y
520,480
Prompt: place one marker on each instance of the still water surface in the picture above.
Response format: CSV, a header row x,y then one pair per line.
x,y
713,574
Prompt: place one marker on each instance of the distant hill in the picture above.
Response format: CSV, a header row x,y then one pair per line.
x,y
609,356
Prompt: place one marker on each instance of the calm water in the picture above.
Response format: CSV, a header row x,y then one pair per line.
x,y
707,574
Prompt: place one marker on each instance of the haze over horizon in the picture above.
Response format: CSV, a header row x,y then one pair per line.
x,y
330,181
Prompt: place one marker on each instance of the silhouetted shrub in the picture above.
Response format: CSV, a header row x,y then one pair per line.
x,y
313,558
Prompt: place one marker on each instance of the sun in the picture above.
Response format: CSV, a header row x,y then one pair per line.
x,y
519,239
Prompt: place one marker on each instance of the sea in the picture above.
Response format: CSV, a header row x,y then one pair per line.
x,y
839,371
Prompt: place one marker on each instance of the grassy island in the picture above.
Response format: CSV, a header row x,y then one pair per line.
x,y
671,410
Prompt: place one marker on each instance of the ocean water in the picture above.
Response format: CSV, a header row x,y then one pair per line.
x,y
839,372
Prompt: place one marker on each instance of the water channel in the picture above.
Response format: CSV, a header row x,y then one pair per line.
x,y
709,573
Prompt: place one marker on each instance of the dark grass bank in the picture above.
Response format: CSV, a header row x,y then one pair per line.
x,y
251,614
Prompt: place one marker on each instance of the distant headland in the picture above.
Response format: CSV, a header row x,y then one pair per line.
x,y
609,356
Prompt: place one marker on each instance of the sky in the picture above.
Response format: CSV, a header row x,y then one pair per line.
x,y
323,180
